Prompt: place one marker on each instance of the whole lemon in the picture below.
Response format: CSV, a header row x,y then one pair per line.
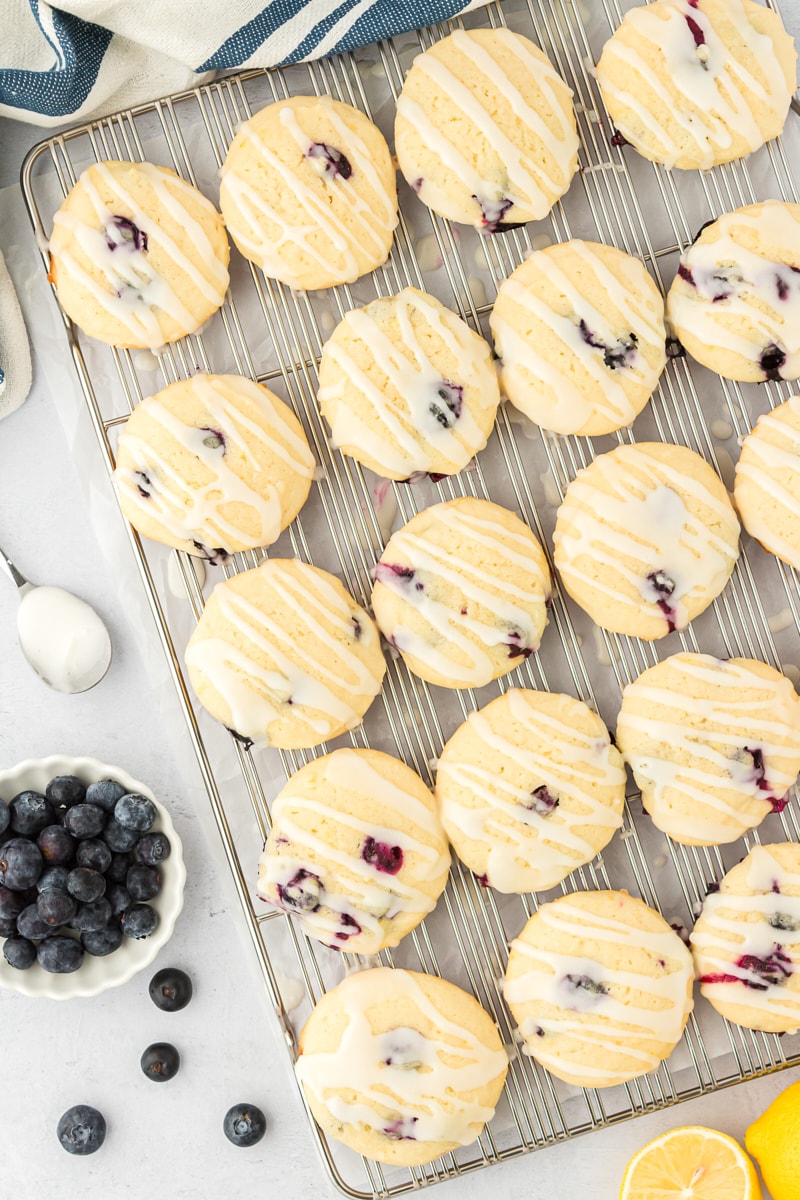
x,y
774,1142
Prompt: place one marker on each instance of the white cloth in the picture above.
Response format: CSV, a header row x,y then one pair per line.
x,y
15,352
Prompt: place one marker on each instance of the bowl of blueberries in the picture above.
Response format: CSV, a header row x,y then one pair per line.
x,y
91,877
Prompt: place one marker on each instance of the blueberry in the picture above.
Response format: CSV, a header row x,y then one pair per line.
x,y
492,213
244,1124
59,954
334,163
135,812
685,273
120,231
585,983
53,877
118,868
84,820
770,970
215,439
618,353
30,924
30,813
119,838
19,952
5,817
697,34
160,1062
94,853
86,884
771,361
152,849
542,801
65,790
394,575
105,794
400,1130
55,907
119,898
383,857
81,1130
618,139
11,903
661,588
349,928
139,921
20,864
449,402
675,348
170,989
56,844
8,927
216,555
783,921
143,882
100,942
301,892
92,916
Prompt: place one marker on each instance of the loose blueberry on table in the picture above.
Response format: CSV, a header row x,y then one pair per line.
x,y
160,1062
81,1130
244,1124
170,989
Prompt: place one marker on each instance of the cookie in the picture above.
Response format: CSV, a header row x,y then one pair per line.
x,y
579,330
308,192
462,591
735,302
693,83
645,538
283,656
485,130
767,482
401,1067
138,256
406,386
211,465
600,987
356,851
713,744
529,788
746,942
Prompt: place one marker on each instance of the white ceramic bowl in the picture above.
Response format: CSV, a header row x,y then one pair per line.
x,y
96,974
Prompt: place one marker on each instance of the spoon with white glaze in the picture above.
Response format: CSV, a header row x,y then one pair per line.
x,y
61,636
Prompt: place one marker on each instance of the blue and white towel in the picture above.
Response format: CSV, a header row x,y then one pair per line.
x,y
83,58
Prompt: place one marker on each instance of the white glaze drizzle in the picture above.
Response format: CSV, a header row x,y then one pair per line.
x,y
532,184
761,713
512,606
716,89
533,852
756,471
643,516
324,697
406,437
197,512
752,316
567,407
716,953
439,1097
133,291
252,220
634,1028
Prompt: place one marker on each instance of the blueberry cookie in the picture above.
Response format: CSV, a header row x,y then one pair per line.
x,y
713,744
600,986
283,656
308,192
646,538
693,83
746,942
401,1067
767,482
735,302
356,851
461,591
485,130
407,386
579,330
529,788
211,465
138,256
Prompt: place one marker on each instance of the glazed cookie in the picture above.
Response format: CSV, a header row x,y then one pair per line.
x,y
579,330
356,851
308,192
283,656
485,130
735,302
746,942
600,986
138,256
401,1067
646,538
407,386
692,83
462,591
767,482
211,465
713,744
530,788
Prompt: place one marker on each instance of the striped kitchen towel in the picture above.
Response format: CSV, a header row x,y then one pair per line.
x,y
82,58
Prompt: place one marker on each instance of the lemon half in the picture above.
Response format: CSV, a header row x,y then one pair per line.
x,y
691,1163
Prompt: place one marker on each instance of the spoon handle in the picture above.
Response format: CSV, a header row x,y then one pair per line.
x,y
11,571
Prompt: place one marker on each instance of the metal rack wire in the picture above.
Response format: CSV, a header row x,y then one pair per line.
x,y
275,336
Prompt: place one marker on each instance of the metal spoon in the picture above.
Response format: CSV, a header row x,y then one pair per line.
x,y
61,636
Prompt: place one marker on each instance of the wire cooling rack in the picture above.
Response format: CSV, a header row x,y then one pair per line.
x,y
275,336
